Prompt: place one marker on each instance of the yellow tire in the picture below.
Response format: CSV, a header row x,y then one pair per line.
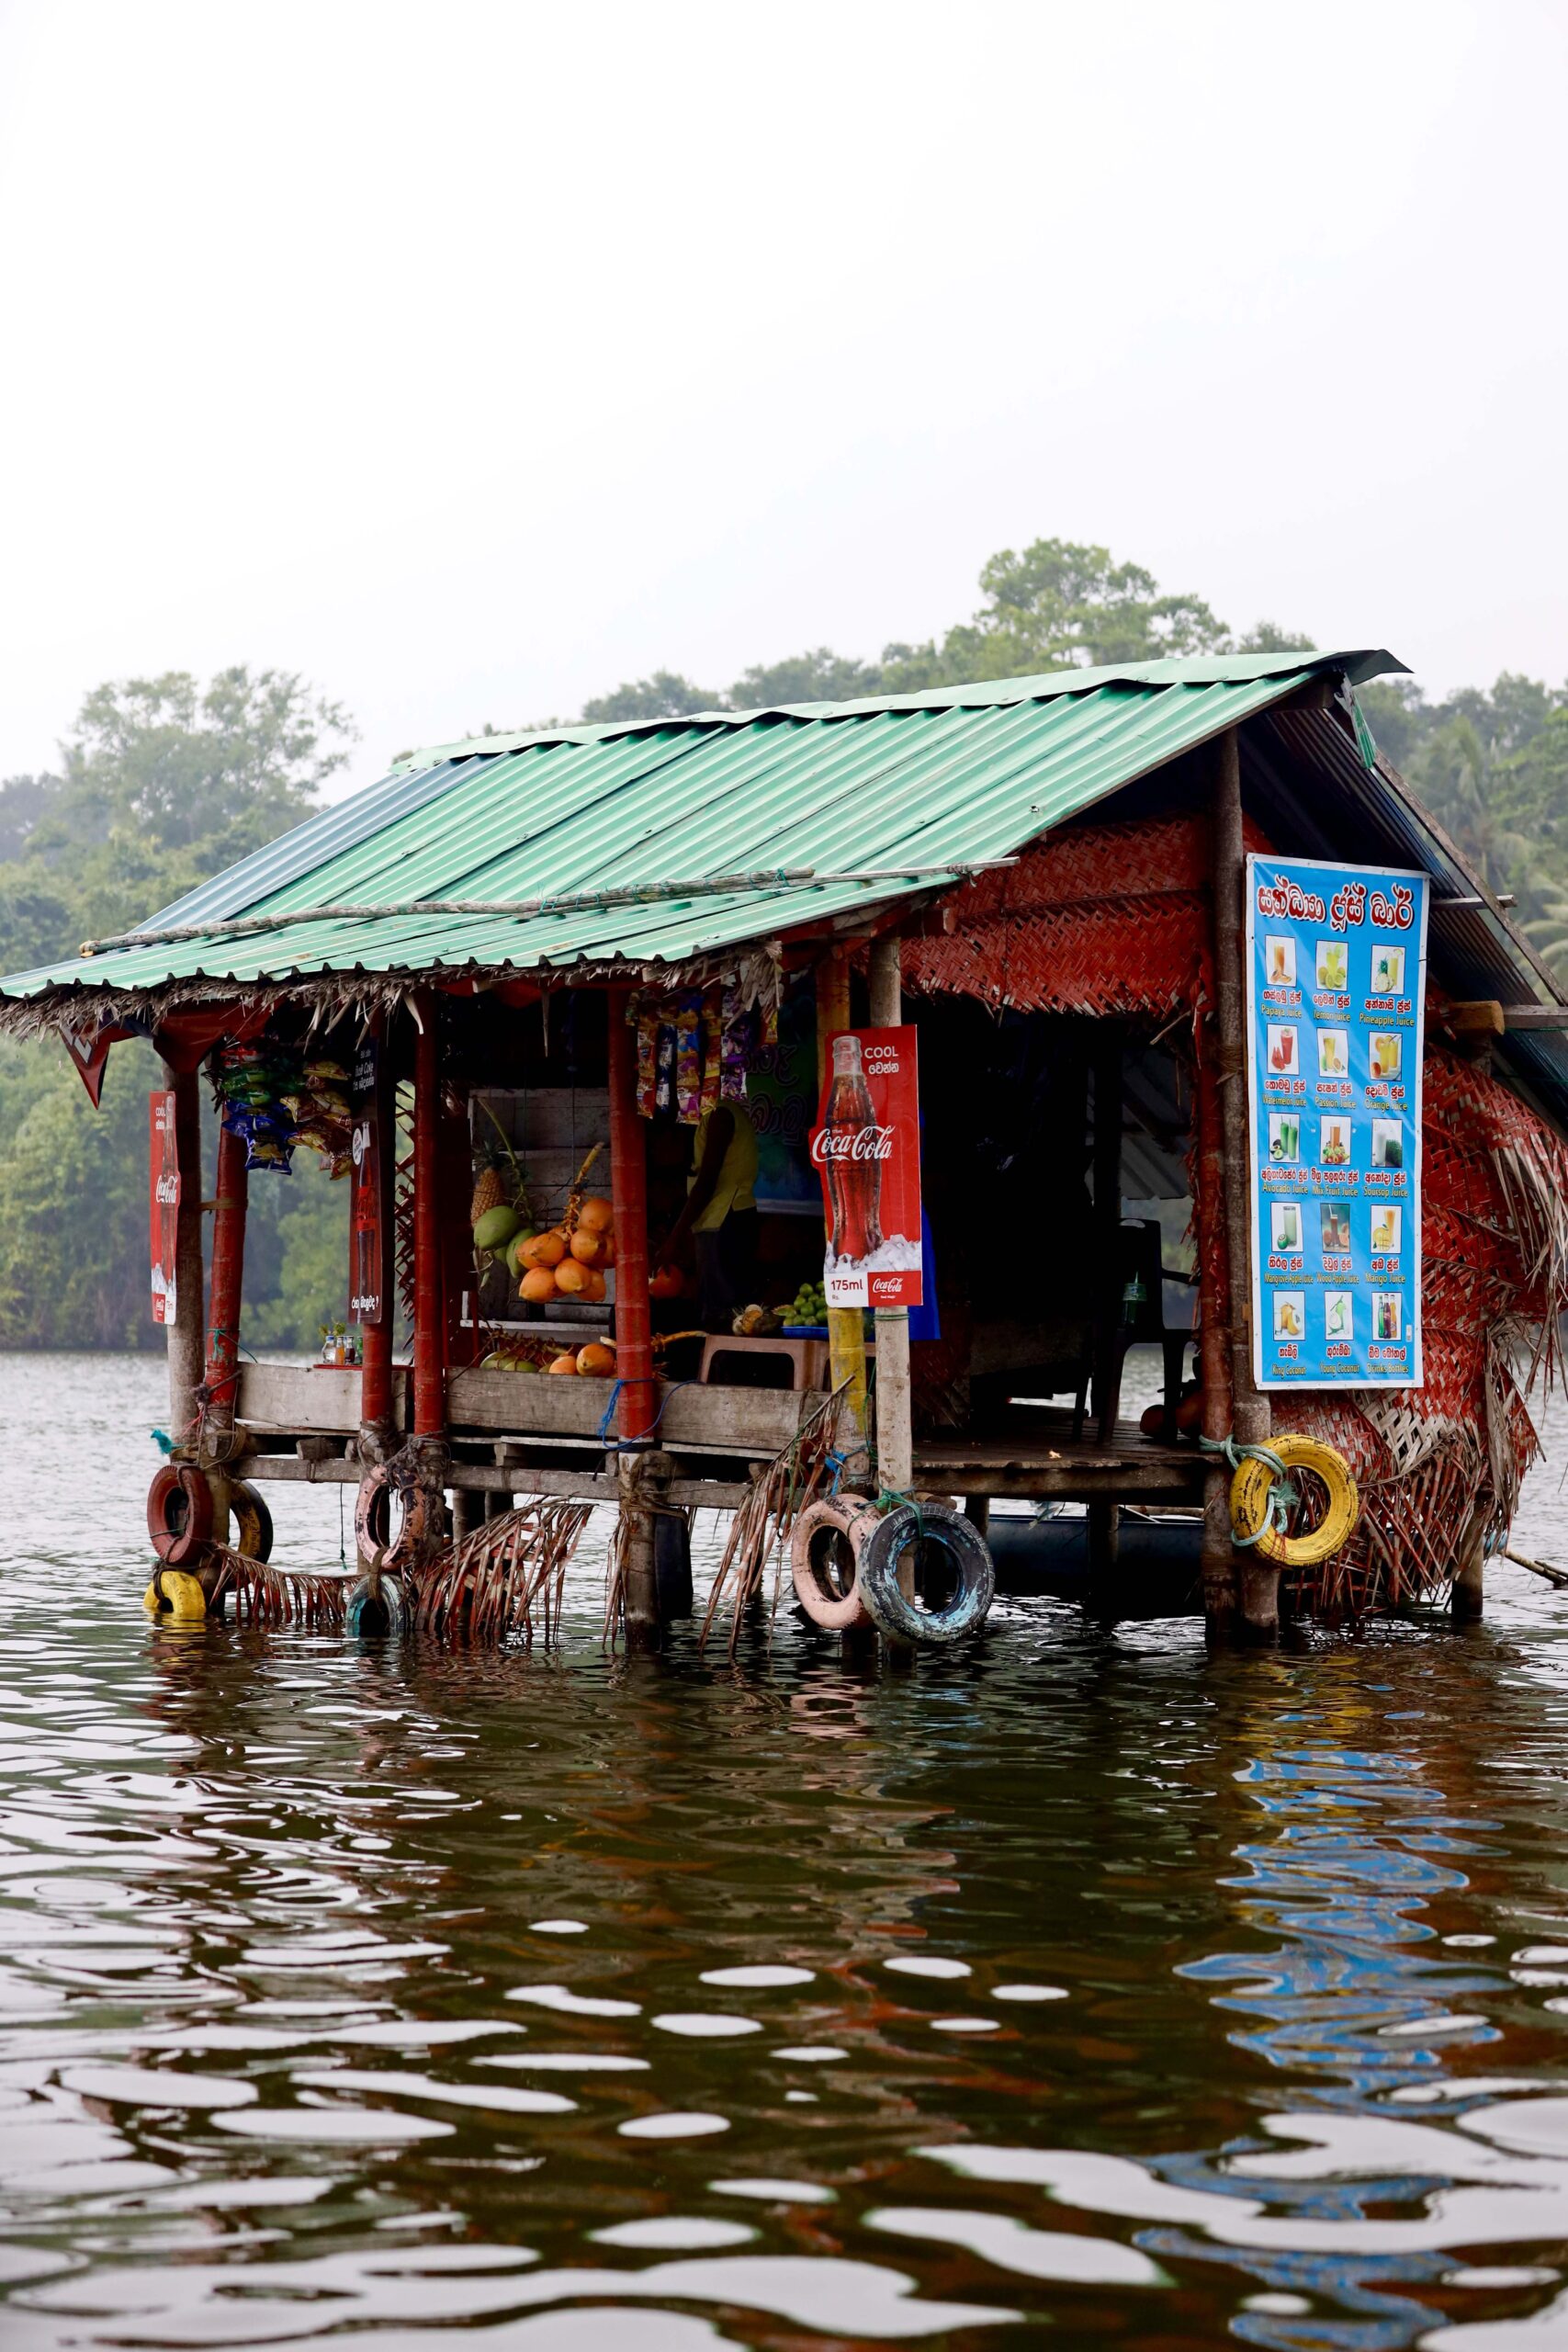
x,y
1249,1503
175,1595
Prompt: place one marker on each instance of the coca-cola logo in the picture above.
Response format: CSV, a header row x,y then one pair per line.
x,y
860,1143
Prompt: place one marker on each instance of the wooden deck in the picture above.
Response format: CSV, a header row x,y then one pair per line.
x,y
1045,1463
516,1431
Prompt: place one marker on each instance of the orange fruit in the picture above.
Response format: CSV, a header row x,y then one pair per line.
x,y
565,1363
596,1212
596,1361
545,1249
593,1288
664,1283
588,1245
537,1285
608,1258
572,1279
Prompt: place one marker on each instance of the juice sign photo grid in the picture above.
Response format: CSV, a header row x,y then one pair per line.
x,y
1335,969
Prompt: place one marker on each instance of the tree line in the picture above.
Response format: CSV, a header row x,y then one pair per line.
x,y
163,781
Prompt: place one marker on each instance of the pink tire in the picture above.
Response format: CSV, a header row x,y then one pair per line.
x,y
825,1561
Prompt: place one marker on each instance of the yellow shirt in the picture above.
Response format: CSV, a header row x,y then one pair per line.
x,y
738,1171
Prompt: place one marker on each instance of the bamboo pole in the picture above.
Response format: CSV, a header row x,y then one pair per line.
x,y
636,1406
1258,1579
185,1334
895,1424
846,1325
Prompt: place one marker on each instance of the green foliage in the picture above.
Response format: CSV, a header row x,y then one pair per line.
x,y
162,782
1058,605
666,695
817,676
1492,768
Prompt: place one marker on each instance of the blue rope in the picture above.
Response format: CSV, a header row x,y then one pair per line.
x,y
608,1414
1283,1494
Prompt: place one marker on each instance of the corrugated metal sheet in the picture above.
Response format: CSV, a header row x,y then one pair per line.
x,y
955,776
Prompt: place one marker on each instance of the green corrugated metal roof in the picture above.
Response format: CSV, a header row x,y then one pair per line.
x,y
952,777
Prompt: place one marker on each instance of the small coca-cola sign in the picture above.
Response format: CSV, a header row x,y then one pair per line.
x,y
867,1148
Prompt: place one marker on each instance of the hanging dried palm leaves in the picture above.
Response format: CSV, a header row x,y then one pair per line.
x,y
490,1587
262,1595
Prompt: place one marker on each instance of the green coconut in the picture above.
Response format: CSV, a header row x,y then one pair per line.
x,y
496,1228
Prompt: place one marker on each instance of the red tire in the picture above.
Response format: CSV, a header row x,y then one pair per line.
x,y
824,1562
179,1513
373,1519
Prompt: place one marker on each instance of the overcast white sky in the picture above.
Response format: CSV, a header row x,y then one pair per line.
x,y
472,358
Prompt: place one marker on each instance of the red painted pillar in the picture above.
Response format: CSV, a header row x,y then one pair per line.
x,y
429,1299
222,1373
628,1189
376,1339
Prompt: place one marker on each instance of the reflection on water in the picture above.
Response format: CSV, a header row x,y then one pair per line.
x,y
380,1995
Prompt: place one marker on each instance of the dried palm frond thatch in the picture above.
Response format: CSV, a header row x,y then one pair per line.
x,y
268,1596
489,1586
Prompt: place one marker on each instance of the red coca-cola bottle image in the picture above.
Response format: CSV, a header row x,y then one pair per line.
x,y
850,1148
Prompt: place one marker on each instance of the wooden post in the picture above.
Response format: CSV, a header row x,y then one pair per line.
x,y
1258,1580
1467,1597
185,1334
846,1325
637,1405
221,1378
1221,1598
895,1427
429,1302
1104,1520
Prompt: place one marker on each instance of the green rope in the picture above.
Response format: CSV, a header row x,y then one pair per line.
x,y
1284,1495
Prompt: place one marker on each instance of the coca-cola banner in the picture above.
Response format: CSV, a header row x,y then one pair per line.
x,y
867,1148
164,1202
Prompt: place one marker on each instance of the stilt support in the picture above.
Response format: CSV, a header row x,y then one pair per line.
x,y
185,1334
846,1325
222,1374
376,1116
637,1411
1469,1599
895,1424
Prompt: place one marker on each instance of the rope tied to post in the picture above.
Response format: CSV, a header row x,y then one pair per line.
x,y
1284,1495
1264,1494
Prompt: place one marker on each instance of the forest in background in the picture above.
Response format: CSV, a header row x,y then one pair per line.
x,y
162,781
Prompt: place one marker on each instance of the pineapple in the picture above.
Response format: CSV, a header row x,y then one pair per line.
x,y
490,1192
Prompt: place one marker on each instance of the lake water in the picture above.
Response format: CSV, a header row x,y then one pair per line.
x,y
1081,1989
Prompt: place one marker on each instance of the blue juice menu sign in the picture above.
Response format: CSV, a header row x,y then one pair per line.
x,y
1336,991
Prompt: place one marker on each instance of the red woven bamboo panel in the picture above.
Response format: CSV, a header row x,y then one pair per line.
x,y
1135,955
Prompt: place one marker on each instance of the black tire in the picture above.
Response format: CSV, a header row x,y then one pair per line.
x,y
371,1616
252,1522
931,1524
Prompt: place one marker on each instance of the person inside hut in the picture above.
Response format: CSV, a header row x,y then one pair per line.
x,y
720,1215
